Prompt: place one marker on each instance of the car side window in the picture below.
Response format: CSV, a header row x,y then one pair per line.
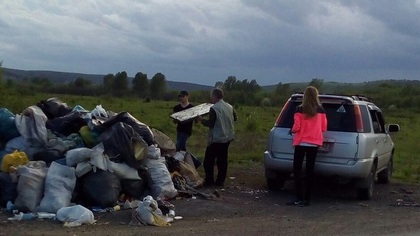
x,y
377,121
381,121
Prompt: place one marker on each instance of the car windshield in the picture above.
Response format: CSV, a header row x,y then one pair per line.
x,y
341,117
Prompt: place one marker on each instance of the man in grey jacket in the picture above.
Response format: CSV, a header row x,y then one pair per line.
x,y
221,133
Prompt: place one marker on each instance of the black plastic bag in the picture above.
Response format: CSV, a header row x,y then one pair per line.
x,y
143,130
54,107
77,195
66,125
120,141
101,188
133,188
8,190
48,156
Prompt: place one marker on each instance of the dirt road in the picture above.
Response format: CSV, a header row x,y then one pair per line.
x,y
246,208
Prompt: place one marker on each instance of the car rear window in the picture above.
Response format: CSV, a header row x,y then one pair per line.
x,y
341,117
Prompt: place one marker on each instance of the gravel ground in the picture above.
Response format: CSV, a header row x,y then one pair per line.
x,y
245,207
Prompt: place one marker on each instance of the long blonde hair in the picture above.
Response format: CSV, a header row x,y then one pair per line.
x,y
310,101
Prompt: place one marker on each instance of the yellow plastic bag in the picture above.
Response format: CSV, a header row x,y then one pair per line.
x,y
14,159
87,136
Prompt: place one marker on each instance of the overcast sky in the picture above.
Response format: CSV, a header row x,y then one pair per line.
x,y
205,41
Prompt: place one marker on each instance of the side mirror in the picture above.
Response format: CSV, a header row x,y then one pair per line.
x,y
393,128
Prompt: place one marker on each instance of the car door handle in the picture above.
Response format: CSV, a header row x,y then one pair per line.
x,y
377,141
385,140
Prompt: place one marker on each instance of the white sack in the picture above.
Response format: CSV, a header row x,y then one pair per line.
x,y
160,180
59,187
30,186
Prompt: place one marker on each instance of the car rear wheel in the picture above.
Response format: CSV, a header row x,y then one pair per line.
x,y
366,193
384,176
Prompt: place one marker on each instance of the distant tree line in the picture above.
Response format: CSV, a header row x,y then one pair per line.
x,y
117,85
387,95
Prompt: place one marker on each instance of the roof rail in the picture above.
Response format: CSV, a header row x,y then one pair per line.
x,y
361,98
356,97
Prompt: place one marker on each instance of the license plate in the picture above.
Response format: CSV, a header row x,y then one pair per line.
x,y
326,147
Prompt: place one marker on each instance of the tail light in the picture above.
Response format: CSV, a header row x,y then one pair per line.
x,y
359,121
285,107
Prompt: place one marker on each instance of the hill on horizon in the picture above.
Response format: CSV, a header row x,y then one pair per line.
x,y
67,77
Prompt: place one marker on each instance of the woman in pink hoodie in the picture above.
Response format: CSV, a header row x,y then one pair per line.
x,y
310,122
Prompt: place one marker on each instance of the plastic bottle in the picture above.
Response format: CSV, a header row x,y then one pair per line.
x,y
44,215
28,216
23,216
171,213
116,208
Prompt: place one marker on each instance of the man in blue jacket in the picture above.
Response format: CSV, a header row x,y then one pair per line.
x,y
183,129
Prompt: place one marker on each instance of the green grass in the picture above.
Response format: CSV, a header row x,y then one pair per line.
x,y
406,160
252,127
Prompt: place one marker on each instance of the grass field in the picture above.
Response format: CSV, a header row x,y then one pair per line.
x,y
252,128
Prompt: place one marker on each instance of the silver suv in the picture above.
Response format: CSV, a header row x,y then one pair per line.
x,y
357,145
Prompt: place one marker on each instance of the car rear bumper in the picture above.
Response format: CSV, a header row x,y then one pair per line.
x,y
351,169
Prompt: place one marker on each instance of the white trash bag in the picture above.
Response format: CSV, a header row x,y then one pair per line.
x,y
161,185
99,112
59,186
30,188
148,213
153,152
75,216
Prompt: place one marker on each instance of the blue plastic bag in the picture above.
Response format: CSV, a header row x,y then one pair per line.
x,y
8,128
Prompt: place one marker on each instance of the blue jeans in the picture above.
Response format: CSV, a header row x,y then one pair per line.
x,y
181,141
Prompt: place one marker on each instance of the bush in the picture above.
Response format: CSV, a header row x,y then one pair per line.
x,y
266,102
251,124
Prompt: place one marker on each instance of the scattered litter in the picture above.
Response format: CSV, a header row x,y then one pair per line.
x,y
407,191
406,201
148,213
363,204
212,220
131,205
216,193
256,191
45,215
23,216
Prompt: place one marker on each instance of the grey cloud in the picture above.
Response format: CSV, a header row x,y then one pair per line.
x,y
267,40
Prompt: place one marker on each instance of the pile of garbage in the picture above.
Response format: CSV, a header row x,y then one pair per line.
x,y
62,162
